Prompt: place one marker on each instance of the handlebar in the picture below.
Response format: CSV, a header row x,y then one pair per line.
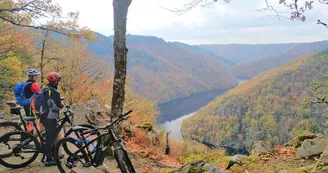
x,y
119,119
68,111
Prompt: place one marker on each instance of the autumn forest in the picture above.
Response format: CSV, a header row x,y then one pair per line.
x,y
283,94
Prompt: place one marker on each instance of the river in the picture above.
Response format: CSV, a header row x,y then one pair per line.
x,y
173,112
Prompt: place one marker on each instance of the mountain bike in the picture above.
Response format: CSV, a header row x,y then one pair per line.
x,y
80,154
8,126
20,148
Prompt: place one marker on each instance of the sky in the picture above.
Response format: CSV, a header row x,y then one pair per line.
x,y
219,23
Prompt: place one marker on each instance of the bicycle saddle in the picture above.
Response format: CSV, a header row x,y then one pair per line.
x,y
79,128
15,110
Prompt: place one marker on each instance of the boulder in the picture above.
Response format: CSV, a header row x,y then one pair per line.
x,y
236,159
87,113
210,168
298,140
312,147
81,112
260,148
198,166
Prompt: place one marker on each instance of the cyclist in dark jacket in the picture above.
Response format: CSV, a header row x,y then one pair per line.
x,y
31,88
49,121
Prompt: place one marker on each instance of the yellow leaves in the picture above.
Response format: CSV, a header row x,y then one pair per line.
x,y
13,40
88,34
11,70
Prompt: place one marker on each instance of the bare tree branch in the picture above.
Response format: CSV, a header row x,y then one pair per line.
x,y
297,13
189,6
271,8
34,27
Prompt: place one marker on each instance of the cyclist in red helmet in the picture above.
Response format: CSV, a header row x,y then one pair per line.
x,y
49,121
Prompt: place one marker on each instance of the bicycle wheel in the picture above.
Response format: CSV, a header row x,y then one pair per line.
x,y
70,161
123,161
76,134
8,126
17,154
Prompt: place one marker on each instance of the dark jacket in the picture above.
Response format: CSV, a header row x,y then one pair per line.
x,y
53,102
31,88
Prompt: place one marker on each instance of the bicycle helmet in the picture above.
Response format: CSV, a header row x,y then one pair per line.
x,y
53,77
32,72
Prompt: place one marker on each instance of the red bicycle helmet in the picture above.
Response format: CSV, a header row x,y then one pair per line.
x,y
53,77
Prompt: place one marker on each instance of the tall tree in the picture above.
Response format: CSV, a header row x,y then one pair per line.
x,y
120,55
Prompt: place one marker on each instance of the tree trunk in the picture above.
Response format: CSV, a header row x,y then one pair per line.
x,y
167,148
42,64
120,57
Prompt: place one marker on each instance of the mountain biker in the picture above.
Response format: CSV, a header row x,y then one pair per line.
x,y
49,121
31,88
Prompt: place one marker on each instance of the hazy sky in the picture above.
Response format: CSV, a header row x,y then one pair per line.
x,y
222,23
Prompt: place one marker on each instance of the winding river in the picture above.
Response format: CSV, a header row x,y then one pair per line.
x,y
175,111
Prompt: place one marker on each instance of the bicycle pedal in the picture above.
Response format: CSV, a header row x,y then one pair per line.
x,y
69,165
78,144
88,164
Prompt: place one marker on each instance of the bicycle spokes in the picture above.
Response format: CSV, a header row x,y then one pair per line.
x,y
17,149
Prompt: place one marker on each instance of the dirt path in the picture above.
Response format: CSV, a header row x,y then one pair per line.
x,y
141,164
35,167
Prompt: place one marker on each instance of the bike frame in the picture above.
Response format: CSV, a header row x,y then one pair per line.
x,y
110,133
38,133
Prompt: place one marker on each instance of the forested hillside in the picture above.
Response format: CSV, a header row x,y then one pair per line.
x,y
163,71
252,68
270,107
85,77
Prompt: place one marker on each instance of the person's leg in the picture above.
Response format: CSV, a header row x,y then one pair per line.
x,y
39,126
27,110
59,137
51,128
29,125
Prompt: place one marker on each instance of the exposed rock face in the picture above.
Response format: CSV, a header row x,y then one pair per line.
x,y
312,147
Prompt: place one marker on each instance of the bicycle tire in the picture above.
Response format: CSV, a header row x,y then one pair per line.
x,y
71,131
123,160
29,138
64,141
10,125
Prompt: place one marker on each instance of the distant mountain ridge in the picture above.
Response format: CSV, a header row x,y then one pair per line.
x,y
241,53
163,71
252,59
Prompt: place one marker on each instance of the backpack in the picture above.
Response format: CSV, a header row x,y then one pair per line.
x,y
20,94
39,103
